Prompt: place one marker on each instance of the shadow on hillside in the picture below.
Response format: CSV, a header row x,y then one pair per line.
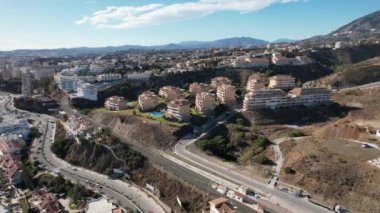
x,y
300,116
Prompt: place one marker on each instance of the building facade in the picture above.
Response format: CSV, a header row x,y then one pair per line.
x,y
178,109
256,82
205,102
282,82
87,91
170,93
226,94
148,101
26,83
196,88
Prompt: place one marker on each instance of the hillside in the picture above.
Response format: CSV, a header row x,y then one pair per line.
x,y
364,72
362,28
156,134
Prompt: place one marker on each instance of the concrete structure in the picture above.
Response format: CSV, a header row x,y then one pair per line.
x,y
148,101
256,81
282,82
219,81
115,103
221,205
226,94
108,77
26,83
280,60
10,125
169,93
178,109
205,103
87,91
43,73
196,88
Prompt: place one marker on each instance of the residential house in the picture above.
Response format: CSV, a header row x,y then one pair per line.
x,y
205,102
115,103
169,93
226,94
178,109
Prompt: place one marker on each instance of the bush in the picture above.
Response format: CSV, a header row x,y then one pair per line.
x,y
289,171
296,133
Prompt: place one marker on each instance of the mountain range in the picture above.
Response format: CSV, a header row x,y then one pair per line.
x,y
364,27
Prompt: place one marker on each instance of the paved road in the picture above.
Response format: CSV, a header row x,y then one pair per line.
x,y
124,193
284,199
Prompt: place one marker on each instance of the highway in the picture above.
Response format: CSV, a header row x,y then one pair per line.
x,y
127,195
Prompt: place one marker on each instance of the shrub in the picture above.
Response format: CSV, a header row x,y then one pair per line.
x,y
289,171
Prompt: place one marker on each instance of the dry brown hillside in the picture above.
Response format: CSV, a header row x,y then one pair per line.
x,y
145,131
335,170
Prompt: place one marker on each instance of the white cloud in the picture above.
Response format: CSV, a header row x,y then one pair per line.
x,y
126,17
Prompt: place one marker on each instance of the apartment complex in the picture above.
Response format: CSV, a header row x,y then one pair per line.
x,y
108,77
256,81
274,98
87,91
115,103
205,102
26,83
282,82
219,81
196,88
139,77
226,94
170,93
10,125
178,109
148,101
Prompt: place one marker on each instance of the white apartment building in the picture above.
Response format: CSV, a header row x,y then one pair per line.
x,y
226,94
66,82
205,102
178,109
26,83
274,98
264,98
256,82
87,91
148,101
11,125
219,81
280,60
108,77
139,77
310,96
282,82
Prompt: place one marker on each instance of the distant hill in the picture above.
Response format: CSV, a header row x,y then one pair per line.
x,y
364,27
222,43
284,40
361,26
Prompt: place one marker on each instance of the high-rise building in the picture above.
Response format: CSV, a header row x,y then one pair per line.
x,y
26,83
205,102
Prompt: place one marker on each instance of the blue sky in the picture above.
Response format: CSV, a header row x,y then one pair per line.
x,y
72,23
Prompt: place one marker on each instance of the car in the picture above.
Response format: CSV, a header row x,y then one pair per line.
x,y
75,169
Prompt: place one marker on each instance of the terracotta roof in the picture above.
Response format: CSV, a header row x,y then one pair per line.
x,y
218,201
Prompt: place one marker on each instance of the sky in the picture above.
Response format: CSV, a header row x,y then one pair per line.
x,y
38,24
